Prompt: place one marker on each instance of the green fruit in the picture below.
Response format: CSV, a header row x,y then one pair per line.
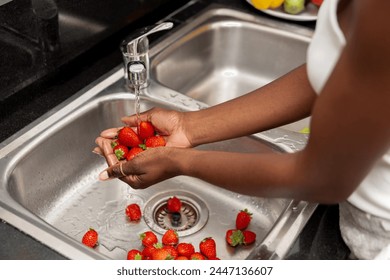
x,y
294,6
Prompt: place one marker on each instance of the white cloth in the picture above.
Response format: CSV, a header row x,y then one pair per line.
x,y
366,235
373,194
326,46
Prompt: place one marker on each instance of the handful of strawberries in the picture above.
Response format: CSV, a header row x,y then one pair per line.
x,y
129,143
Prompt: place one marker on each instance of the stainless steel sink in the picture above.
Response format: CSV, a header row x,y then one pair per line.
x,y
224,54
49,187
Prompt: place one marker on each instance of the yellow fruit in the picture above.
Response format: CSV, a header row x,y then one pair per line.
x,y
305,130
261,4
276,4
294,6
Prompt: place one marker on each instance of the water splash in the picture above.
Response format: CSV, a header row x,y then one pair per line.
x,y
115,229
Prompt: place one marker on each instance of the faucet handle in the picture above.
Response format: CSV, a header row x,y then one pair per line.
x,y
135,51
137,43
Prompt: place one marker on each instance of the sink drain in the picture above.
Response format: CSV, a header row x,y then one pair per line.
x,y
192,217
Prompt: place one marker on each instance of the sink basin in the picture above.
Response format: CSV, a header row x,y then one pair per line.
x,y
224,54
49,187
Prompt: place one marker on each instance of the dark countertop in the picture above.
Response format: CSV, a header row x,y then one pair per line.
x,y
30,88
83,57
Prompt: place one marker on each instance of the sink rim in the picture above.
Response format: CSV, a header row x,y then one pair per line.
x,y
210,14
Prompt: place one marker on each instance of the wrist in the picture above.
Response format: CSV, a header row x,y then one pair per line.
x,y
195,128
190,128
182,159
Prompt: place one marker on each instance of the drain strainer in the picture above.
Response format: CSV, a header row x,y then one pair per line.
x,y
192,217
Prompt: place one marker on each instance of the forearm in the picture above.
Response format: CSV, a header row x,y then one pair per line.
x,y
261,175
285,100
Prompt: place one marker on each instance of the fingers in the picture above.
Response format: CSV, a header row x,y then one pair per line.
x,y
144,116
114,171
98,151
110,133
106,150
124,171
133,120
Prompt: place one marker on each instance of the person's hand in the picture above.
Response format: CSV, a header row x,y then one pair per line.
x,y
168,124
152,166
145,169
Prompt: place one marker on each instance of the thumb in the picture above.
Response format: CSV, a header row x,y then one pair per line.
x,y
133,119
114,171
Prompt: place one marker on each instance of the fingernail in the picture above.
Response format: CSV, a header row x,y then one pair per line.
x,y
104,176
95,151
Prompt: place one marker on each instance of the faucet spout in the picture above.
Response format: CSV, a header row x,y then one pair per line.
x,y
137,74
135,51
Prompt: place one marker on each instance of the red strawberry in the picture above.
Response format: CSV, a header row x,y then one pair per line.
x,y
185,249
181,258
134,254
161,254
317,2
133,152
120,151
243,219
172,251
208,247
90,238
133,211
128,138
155,141
148,238
197,256
170,237
249,237
174,204
148,251
145,130
234,237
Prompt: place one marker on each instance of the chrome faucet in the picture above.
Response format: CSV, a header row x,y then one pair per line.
x,y
135,51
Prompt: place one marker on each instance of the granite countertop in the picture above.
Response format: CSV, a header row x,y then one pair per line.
x,y
85,56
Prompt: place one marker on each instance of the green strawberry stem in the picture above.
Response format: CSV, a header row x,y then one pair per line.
x,y
237,238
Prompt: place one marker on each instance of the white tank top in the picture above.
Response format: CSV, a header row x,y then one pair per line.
x,y
373,194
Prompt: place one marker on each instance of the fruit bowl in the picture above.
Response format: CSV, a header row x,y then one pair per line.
x,y
308,14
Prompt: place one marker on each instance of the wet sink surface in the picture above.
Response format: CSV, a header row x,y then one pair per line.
x,y
224,54
66,194
225,57
64,191
49,187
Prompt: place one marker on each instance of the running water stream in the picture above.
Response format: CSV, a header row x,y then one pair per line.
x,y
137,104
137,79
